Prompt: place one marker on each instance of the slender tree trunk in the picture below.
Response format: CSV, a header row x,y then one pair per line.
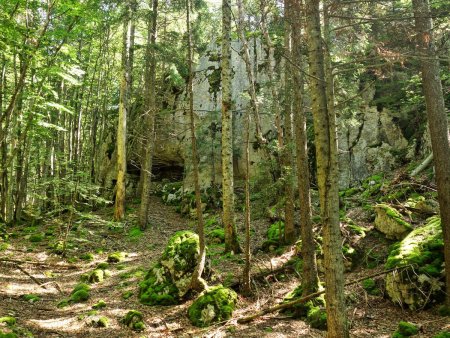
x,y
437,121
246,286
119,208
327,173
290,234
150,113
310,279
231,242
197,282
250,73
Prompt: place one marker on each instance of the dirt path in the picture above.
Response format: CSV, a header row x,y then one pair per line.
x,y
370,316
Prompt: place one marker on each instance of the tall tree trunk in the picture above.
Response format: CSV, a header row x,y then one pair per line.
x,y
437,121
310,279
246,286
150,112
197,282
290,234
249,69
231,242
119,208
327,174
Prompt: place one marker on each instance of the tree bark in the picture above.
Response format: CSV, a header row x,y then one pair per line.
x,y
327,174
231,242
310,279
197,283
119,207
290,234
150,113
437,121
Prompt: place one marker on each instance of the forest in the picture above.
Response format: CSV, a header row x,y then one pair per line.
x,y
206,168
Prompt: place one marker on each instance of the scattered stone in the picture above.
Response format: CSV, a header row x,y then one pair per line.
x,y
127,294
116,257
390,222
371,287
101,321
96,276
100,305
213,305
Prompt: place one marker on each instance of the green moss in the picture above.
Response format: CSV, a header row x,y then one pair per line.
x,y
79,296
312,311
317,317
116,257
407,329
96,276
31,298
371,287
214,305
420,247
8,335
87,257
103,266
218,235
444,311
102,321
135,233
443,334
395,215
99,305
157,288
35,238
276,231
357,230
127,294
8,320
80,293
134,320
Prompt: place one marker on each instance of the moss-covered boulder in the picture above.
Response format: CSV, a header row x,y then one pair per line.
x,y
313,311
134,320
422,283
213,305
405,329
169,280
390,222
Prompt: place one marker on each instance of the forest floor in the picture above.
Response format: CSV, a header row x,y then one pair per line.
x,y
31,268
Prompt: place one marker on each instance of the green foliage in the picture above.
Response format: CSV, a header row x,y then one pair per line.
x,y
135,233
96,276
443,334
8,335
371,287
87,257
134,320
444,310
35,238
31,298
157,288
127,294
214,305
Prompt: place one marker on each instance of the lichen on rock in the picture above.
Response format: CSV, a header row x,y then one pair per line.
x,y
390,222
213,305
415,287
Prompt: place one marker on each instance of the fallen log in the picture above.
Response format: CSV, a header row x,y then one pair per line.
x,y
301,300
